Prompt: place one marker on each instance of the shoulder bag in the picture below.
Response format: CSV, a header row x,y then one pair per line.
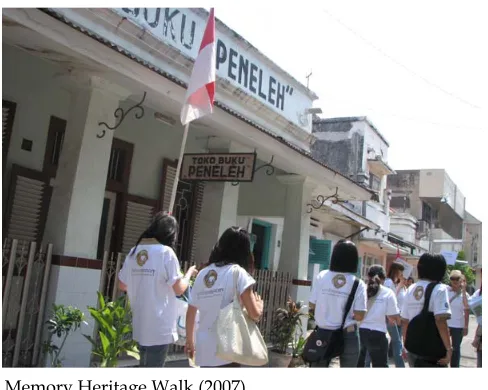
x,y
423,338
325,344
238,337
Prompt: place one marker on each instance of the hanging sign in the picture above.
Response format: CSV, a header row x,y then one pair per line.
x,y
407,268
450,256
235,167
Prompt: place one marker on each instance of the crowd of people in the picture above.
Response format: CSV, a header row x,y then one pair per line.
x,y
383,304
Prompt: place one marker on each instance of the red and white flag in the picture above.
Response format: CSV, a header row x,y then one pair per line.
x,y
199,99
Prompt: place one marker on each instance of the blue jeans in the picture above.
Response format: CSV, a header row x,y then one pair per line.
x,y
350,356
395,333
153,356
375,345
457,335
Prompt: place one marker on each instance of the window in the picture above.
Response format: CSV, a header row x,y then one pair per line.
x,y
368,261
428,213
374,182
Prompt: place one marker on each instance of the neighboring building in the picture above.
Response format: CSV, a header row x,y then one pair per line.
x,y
435,201
355,147
72,181
473,246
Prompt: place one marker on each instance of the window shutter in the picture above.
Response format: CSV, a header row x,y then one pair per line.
x,y
167,182
138,216
197,209
28,202
320,251
8,115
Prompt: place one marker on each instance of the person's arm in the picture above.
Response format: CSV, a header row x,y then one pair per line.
x,y
180,286
360,304
122,286
191,315
466,309
252,303
441,323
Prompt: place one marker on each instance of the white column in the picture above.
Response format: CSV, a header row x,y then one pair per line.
x,y
219,209
76,205
296,232
78,190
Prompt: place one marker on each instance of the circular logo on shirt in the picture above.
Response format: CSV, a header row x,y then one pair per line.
x,y
142,257
319,343
418,293
210,278
339,281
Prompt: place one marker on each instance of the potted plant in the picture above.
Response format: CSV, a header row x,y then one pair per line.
x,y
114,331
287,329
297,349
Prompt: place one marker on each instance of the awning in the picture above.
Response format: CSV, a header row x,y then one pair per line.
x,y
379,167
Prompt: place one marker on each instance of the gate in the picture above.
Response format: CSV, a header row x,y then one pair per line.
x,y
25,281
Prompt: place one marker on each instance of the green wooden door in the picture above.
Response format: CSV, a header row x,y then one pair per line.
x,y
320,251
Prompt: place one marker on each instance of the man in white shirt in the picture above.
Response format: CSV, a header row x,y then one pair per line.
x,y
431,268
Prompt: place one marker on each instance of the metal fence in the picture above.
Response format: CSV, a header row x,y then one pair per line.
x,y
25,281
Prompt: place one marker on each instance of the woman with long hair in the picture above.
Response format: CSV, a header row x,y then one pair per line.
x,y
431,269
152,278
372,331
330,292
459,321
214,289
396,282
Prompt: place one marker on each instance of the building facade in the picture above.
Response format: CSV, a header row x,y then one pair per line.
x,y
91,102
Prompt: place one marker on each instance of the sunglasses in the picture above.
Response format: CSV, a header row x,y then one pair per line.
x,y
455,279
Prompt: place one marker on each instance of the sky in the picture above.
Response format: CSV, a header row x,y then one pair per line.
x,y
418,70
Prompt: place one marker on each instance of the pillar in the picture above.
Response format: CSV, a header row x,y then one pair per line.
x,y
76,205
219,209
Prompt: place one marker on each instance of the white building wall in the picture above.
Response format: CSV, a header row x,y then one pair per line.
x,y
30,82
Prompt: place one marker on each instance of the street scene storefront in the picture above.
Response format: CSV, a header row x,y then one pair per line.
x,y
91,143
91,104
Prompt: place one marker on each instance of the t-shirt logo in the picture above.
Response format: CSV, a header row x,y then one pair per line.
x,y
339,281
418,293
142,257
210,278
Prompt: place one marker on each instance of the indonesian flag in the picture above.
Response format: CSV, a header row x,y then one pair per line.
x,y
199,97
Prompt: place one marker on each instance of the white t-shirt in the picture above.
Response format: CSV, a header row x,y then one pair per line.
x,y
212,291
150,274
400,295
330,291
384,305
457,309
414,300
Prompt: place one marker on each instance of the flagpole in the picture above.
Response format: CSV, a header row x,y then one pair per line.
x,y
178,169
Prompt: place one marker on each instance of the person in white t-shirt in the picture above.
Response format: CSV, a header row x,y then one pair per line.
x,y
152,278
431,268
477,343
459,321
396,282
330,292
214,289
372,330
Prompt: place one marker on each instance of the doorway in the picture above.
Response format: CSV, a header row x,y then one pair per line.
x,y
106,224
261,231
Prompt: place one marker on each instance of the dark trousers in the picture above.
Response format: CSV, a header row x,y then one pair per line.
x,y
376,344
349,358
230,365
153,356
457,338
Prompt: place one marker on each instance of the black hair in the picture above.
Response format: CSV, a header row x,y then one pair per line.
x,y
344,257
376,276
164,229
431,267
393,271
233,247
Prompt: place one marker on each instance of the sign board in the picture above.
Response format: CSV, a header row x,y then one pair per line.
x,y
450,257
408,268
235,167
237,62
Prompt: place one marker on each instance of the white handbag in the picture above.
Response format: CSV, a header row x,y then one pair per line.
x,y
238,337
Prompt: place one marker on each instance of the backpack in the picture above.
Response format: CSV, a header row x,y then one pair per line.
x,y
423,338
